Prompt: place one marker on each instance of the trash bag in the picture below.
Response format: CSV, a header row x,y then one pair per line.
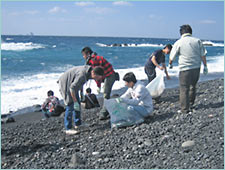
x,y
120,116
157,85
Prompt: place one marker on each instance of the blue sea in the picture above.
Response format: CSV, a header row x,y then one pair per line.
x,y
31,65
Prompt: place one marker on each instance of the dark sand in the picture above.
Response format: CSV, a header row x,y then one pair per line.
x,y
33,143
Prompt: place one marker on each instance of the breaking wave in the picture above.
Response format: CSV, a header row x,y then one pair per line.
x,y
12,46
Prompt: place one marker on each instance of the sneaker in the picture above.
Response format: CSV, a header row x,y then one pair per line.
x,y
103,117
189,112
184,112
71,132
193,108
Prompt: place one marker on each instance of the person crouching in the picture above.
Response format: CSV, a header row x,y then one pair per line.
x,y
137,96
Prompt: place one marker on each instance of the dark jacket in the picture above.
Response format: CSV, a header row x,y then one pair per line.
x,y
91,101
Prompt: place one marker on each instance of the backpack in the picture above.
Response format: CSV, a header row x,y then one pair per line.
x,y
52,103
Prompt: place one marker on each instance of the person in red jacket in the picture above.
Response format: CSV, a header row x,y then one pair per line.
x,y
109,78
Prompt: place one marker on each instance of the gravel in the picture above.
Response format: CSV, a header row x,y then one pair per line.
x,y
157,143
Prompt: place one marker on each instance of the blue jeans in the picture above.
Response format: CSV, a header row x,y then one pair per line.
x,y
68,117
138,110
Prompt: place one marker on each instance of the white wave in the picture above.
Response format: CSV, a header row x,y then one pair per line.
x,y
8,39
17,93
130,45
150,45
30,90
101,45
20,46
210,43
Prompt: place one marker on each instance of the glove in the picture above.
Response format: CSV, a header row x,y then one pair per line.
x,y
76,106
99,90
119,100
205,70
170,66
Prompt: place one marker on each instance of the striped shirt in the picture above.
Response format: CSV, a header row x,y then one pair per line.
x,y
96,60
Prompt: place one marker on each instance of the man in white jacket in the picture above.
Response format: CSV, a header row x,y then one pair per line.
x,y
191,53
137,96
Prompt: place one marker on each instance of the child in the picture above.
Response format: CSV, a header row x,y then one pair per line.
x,y
90,100
51,105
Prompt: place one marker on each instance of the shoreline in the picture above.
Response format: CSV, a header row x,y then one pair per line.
x,y
31,142
169,84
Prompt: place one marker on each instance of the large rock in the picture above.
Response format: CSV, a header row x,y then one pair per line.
x,y
7,118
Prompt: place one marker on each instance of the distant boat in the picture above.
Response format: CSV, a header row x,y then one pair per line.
x,y
31,34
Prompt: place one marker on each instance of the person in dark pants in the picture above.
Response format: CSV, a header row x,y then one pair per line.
x,y
155,60
90,100
109,78
191,52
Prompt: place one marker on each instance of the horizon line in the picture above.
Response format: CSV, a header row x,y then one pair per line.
x,y
96,36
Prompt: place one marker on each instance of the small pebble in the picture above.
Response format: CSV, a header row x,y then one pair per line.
x,y
188,144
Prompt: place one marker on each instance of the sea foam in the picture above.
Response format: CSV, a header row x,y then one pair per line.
x,y
18,93
210,43
12,46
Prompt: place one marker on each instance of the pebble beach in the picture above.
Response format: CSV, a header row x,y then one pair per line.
x,y
167,140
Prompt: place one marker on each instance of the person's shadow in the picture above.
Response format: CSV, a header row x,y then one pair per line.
x,y
159,117
212,105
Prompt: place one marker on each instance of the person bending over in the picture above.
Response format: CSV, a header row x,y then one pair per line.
x,y
155,60
109,78
70,83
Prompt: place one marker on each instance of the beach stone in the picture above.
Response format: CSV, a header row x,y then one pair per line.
x,y
106,160
144,126
210,115
134,147
136,129
164,138
148,143
188,143
95,153
76,160
5,115
7,120
37,108
140,140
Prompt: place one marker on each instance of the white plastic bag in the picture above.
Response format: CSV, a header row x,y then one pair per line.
x,y
157,85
